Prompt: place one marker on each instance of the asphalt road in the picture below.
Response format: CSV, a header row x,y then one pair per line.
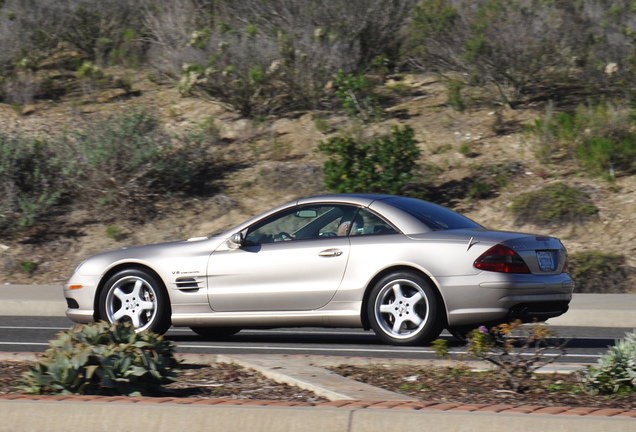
x,y
31,334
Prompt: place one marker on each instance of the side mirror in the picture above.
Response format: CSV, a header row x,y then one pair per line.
x,y
236,241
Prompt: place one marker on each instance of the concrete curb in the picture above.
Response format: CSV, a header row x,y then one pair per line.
x,y
99,414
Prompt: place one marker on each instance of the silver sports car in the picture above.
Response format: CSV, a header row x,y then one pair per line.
x,y
400,266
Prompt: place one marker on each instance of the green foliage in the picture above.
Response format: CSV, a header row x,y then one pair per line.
x,y
382,165
34,176
556,202
479,190
602,138
131,155
599,272
124,161
440,346
517,350
524,48
356,95
455,98
27,266
615,372
122,145
103,359
115,232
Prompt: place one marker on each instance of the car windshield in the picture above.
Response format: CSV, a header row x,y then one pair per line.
x,y
433,216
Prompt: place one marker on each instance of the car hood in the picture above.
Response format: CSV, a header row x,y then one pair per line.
x,y
100,263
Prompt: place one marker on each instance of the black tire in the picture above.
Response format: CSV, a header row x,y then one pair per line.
x,y
137,297
404,309
460,332
215,333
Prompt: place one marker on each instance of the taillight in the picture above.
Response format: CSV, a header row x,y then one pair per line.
x,y
501,259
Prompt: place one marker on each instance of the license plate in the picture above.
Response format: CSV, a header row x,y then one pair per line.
x,y
546,263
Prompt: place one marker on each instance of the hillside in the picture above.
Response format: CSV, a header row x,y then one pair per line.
x,y
275,160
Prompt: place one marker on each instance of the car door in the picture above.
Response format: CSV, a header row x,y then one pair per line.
x,y
293,260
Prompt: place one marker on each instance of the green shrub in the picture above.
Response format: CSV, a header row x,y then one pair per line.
x,y
34,176
127,159
512,45
27,266
522,49
615,372
356,95
479,189
455,98
264,57
516,350
115,232
601,138
556,202
600,273
103,359
381,165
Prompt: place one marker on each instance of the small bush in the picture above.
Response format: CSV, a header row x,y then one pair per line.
x,y
601,138
115,232
356,95
34,176
615,372
528,48
516,350
510,45
382,165
263,57
455,98
557,202
126,159
103,359
600,273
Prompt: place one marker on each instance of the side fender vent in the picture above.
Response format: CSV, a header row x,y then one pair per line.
x,y
188,283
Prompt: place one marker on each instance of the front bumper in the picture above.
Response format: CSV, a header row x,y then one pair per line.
x,y
80,302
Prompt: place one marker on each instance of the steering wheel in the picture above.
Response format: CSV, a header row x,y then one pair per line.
x,y
282,236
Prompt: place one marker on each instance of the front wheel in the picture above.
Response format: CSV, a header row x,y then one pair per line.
x,y
137,297
403,309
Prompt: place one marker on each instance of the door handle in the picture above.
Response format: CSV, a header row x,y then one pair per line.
x,y
330,253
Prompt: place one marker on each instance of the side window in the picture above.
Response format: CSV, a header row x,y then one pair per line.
x,y
299,223
367,223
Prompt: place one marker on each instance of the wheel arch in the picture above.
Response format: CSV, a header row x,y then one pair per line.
x,y
117,269
404,268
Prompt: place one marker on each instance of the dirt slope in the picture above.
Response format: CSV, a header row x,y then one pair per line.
x,y
278,162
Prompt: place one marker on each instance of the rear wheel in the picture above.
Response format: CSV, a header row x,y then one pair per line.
x,y
403,309
215,333
137,297
461,332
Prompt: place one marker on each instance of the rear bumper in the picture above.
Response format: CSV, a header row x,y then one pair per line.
x,y
505,297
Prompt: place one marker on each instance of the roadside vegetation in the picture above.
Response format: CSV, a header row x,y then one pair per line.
x,y
518,351
103,359
111,360
572,62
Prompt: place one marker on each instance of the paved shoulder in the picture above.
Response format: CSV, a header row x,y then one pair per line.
x,y
32,300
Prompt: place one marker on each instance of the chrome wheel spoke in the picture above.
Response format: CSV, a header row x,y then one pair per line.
x,y
131,299
119,314
387,308
401,309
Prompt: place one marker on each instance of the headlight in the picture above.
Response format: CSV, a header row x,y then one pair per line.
x,y
78,267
